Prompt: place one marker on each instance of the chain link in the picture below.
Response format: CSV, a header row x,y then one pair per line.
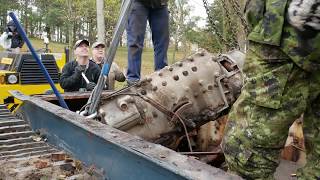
x,y
233,39
237,8
213,24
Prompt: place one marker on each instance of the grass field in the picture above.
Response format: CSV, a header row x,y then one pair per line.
x,y
121,56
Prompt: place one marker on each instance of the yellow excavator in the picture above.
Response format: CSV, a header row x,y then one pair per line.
x,y
20,71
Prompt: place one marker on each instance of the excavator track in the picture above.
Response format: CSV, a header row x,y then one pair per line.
x,y
25,155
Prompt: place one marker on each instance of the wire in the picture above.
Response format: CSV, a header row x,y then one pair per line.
x,y
168,112
155,104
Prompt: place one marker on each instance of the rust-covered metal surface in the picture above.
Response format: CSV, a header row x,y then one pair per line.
x,y
25,155
179,105
70,95
119,155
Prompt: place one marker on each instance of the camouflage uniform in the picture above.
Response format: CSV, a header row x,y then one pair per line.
x,y
283,81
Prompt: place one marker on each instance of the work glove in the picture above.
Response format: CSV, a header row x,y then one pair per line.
x,y
79,69
90,86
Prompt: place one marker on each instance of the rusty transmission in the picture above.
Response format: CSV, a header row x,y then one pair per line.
x,y
169,104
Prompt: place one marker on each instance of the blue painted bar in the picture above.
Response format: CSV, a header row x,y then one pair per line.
x,y
36,57
118,154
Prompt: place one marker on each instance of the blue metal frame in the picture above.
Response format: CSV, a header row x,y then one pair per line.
x,y
118,154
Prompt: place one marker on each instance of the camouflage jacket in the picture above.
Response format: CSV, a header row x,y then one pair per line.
x,y
268,25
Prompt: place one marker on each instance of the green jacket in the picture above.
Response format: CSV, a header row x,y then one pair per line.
x,y
154,3
268,25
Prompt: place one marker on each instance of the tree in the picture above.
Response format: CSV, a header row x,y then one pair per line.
x,y
224,29
180,23
100,20
4,8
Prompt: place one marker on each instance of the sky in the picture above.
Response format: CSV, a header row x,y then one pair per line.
x,y
199,10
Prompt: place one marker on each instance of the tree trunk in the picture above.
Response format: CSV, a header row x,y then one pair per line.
x,y
32,28
4,19
100,20
74,34
26,2
60,36
91,31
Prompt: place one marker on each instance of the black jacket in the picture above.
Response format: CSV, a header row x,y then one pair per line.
x,y
154,3
72,80
16,39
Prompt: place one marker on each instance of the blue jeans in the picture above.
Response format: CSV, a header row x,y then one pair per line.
x,y
136,28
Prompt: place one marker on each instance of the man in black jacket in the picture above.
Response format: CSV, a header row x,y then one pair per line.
x,y
81,74
16,39
11,40
156,12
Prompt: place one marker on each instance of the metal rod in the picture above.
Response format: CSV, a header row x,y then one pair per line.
x,y
121,24
200,153
36,57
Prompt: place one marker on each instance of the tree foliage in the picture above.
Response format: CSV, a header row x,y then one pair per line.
x,y
63,20
68,20
227,30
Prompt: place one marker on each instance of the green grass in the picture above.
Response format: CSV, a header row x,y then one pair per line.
x,y
147,66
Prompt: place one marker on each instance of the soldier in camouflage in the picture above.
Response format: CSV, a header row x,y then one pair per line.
x,y
283,82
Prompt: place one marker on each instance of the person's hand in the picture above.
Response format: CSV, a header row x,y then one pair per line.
x,y
80,69
90,86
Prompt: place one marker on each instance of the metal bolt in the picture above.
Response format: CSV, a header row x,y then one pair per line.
x,y
200,82
143,92
185,73
124,107
154,88
190,59
176,77
144,80
179,64
194,68
170,68
164,83
160,74
154,114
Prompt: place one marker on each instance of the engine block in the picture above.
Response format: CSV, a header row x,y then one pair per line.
x,y
170,103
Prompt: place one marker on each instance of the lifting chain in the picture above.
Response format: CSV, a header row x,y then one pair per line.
x,y
214,25
232,28
237,8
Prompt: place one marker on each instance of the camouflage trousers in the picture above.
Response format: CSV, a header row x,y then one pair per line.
x,y
275,94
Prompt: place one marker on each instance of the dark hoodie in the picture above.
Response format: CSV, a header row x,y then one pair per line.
x,y
16,39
